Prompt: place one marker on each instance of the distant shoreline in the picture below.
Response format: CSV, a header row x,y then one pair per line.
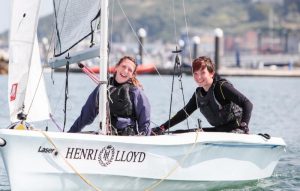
x,y
3,67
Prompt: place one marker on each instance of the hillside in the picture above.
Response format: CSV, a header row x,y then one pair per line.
x,y
162,19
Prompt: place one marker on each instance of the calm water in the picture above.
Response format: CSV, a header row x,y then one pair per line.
x,y
276,112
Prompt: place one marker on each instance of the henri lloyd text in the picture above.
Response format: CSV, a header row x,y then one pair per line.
x,y
106,155
130,156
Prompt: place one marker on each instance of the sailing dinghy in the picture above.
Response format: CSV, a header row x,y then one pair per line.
x,y
40,160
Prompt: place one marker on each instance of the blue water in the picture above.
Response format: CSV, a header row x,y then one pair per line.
x,y
276,112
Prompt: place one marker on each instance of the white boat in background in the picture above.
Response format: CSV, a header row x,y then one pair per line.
x,y
51,161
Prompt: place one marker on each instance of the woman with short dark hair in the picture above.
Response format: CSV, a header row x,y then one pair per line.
x,y
224,107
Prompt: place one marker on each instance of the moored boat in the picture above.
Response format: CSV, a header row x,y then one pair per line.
x,y
141,69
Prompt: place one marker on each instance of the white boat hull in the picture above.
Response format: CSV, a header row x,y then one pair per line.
x,y
183,161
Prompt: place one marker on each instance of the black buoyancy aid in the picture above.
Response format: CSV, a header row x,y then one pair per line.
x,y
214,112
120,103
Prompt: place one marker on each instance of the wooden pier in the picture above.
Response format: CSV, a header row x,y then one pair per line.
x,y
260,72
280,72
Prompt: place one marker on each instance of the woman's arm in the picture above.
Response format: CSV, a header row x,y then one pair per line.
x,y
225,92
88,112
182,114
142,111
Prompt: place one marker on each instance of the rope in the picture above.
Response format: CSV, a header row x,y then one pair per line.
x,y
55,123
154,185
66,93
172,89
89,72
177,68
67,162
164,83
174,22
136,36
187,32
177,61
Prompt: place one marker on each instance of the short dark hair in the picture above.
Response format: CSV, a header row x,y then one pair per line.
x,y
203,62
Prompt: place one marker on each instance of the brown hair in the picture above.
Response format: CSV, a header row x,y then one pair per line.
x,y
134,80
203,62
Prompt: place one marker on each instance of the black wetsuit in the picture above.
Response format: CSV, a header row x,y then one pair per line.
x,y
225,94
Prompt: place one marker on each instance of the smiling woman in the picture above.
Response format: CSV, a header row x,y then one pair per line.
x,y
224,107
129,107
125,69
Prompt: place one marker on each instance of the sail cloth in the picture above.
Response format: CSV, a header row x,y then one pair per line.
x,y
75,20
36,100
25,79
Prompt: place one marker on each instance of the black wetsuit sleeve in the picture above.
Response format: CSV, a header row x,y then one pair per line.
x,y
225,92
182,114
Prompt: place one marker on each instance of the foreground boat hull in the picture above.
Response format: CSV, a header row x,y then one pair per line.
x,y
36,160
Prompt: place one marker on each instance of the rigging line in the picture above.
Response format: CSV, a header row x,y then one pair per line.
x,y
112,19
92,42
52,36
177,60
178,164
172,87
181,88
139,40
88,182
177,66
187,32
66,94
120,5
130,24
135,35
47,54
59,98
55,123
189,54
89,72
174,21
95,27
56,15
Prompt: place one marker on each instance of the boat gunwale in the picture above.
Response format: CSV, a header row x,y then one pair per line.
x,y
203,138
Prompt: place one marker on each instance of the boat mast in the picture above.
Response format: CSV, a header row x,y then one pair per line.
x,y
103,65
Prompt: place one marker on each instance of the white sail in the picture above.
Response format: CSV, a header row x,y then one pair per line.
x,y
75,20
24,22
36,100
